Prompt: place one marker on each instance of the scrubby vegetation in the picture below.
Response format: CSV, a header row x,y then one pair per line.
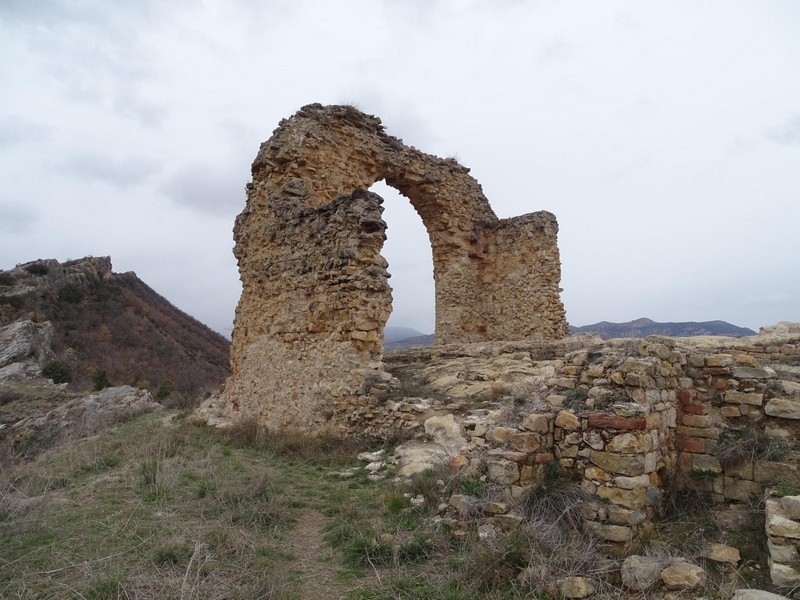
x,y
156,508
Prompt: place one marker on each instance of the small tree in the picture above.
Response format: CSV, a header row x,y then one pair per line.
x,y
57,370
100,380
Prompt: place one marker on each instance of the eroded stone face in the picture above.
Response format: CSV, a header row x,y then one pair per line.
x,y
308,336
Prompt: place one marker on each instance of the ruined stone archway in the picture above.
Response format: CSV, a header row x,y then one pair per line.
x,y
308,337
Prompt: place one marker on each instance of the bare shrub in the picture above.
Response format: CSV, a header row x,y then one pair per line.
x,y
738,446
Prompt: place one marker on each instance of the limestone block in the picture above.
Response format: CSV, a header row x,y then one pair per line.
x,y
567,420
741,489
629,443
632,483
525,442
611,533
723,553
633,499
445,430
730,411
779,526
680,575
767,471
619,463
539,423
752,398
790,505
593,439
696,420
596,474
719,360
706,463
783,407
504,472
753,373
639,573
702,432
783,575
500,435
619,515
782,553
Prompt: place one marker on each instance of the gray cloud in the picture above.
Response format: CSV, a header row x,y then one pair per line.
x,y
16,218
788,133
116,171
16,130
207,189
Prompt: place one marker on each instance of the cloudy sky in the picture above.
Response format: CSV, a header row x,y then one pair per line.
x,y
665,136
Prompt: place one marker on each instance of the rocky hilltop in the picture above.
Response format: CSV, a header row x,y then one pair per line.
x,y
111,328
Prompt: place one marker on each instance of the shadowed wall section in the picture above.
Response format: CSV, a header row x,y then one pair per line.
x,y
308,336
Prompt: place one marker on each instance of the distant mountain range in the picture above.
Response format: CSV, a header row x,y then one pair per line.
x,y
403,338
644,327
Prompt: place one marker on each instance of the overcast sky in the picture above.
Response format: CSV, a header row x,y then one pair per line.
x,y
665,137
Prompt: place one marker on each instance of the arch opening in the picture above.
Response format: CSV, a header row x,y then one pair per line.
x,y
407,249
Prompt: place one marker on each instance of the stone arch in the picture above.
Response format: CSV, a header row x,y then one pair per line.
x,y
308,336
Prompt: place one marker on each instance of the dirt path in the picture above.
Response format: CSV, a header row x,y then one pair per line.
x,y
315,562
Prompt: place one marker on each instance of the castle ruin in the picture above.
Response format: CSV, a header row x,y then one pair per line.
x,y
307,343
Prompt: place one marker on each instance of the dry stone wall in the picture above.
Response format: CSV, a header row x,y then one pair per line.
x,y
308,336
628,419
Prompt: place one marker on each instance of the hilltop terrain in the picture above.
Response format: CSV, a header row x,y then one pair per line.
x,y
112,328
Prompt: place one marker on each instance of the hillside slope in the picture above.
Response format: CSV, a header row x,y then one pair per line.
x,y
114,322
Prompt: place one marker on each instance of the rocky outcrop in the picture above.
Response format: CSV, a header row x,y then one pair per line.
x,y
82,415
24,346
113,323
308,336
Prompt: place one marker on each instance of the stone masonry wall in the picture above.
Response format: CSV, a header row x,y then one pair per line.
x,y
628,419
308,335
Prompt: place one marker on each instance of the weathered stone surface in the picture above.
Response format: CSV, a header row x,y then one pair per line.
x,y
90,412
606,421
790,505
628,443
539,423
780,526
25,340
631,466
752,398
783,407
415,457
640,572
753,373
680,575
723,553
568,420
502,471
611,533
782,553
632,499
307,342
783,575
500,435
445,430
525,442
